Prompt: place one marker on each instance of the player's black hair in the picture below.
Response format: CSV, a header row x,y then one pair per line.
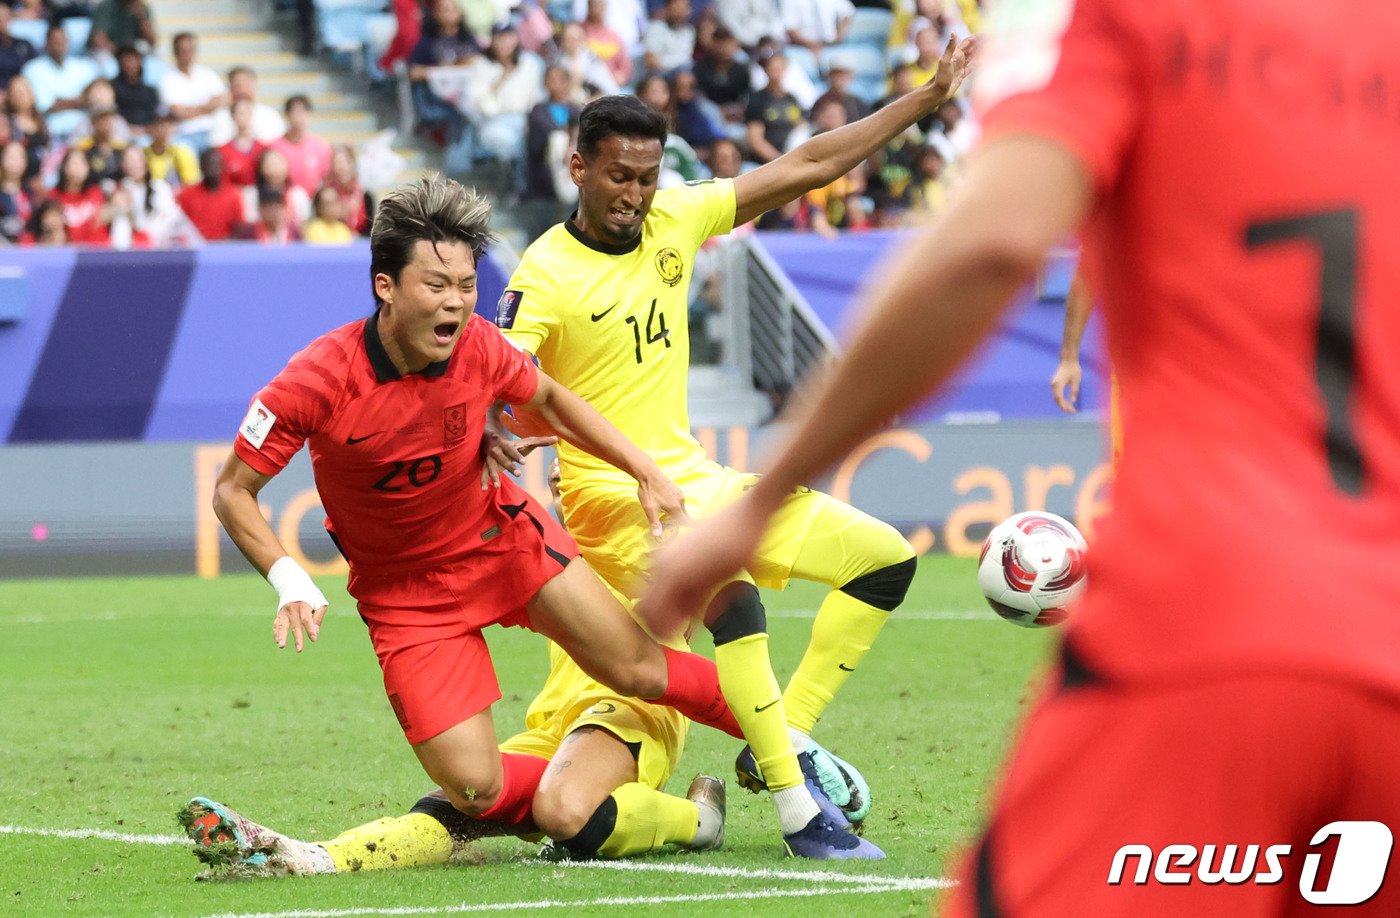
x,y
624,115
433,208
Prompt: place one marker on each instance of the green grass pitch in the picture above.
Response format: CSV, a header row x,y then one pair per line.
x,y
121,698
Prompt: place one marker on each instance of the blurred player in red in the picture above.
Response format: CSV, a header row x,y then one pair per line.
x,y
1232,676
393,408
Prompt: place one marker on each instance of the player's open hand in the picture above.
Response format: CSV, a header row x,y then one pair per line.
x,y
1064,385
301,620
953,68
502,454
688,569
662,501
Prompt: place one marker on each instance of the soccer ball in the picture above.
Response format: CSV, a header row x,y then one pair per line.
x,y
1032,567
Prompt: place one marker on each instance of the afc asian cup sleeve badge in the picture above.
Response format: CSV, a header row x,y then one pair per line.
x,y
670,266
507,307
257,424
454,423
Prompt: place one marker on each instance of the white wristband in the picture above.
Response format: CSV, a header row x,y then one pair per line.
x,y
294,584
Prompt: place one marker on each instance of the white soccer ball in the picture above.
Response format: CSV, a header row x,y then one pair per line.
x,y
1032,568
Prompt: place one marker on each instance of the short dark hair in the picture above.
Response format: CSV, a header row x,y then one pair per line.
x,y
181,36
237,69
296,100
433,209
618,114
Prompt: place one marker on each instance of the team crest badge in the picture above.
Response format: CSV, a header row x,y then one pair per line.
x,y
670,266
506,308
454,423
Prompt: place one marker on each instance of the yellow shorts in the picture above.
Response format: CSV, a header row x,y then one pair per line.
x,y
570,700
615,539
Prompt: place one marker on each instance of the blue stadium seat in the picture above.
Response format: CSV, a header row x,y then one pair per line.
x,y
864,60
344,25
33,31
870,27
152,69
78,29
799,56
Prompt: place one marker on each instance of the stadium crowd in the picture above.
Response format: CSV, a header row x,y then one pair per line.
x,y
114,143
740,80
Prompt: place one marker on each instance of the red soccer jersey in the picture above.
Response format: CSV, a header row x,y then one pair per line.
x,y
1244,243
397,458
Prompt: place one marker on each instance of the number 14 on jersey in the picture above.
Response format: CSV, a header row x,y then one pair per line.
x,y
660,333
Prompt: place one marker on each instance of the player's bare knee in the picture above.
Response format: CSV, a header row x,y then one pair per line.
x,y
473,794
559,813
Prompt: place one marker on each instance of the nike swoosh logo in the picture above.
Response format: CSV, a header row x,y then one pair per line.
x,y
604,708
351,441
605,312
849,669
758,710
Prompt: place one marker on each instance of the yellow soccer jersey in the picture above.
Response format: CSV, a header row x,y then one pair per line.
x,y
611,323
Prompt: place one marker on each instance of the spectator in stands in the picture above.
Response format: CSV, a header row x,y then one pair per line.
x,y
153,214
814,24
14,201
267,124
28,124
212,205
840,205
796,80
14,52
100,95
308,155
928,191
508,86
58,81
273,226
751,21
327,227
306,27
773,114
722,78
344,180
557,114
46,226
902,82
445,43
84,204
242,152
167,159
136,101
952,122
726,159
119,23
679,161
273,176
603,40
587,72
193,92
928,47
103,148
841,76
30,10
669,41
697,120
409,16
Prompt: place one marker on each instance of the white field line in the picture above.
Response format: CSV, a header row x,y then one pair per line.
x,y
528,905
917,615
97,833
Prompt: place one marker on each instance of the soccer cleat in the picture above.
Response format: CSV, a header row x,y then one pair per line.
x,y
707,794
225,840
824,840
836,784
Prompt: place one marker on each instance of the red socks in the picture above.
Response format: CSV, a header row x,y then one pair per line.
x,y
520,779
692,687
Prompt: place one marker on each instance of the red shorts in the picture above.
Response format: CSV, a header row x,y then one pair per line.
x,y
426,625
1254,759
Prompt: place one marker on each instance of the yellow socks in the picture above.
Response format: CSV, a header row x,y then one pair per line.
x,y
746,678
842,634
648,819
414,840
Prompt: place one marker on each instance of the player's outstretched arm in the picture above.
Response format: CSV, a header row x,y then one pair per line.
x,y
830,155
943,295
300,604
1064,384
576,421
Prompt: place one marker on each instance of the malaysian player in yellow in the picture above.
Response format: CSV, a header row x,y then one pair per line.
x,y
601,795
601,300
